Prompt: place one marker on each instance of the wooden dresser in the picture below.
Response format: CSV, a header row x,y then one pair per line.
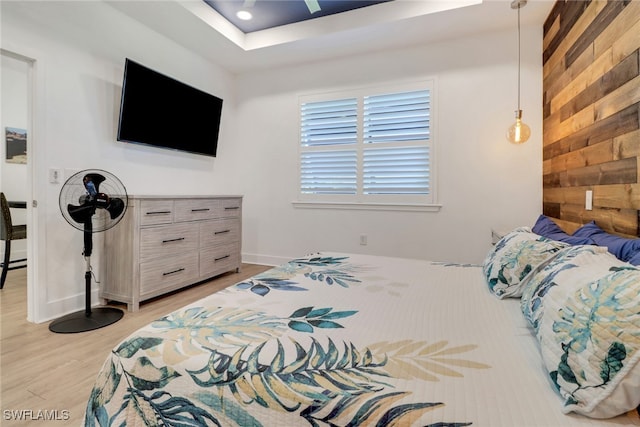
x,y
164,243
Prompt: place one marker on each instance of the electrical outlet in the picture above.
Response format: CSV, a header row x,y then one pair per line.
x,y
363,239
588,201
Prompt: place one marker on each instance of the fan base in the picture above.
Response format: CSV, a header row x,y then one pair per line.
x,y
80,322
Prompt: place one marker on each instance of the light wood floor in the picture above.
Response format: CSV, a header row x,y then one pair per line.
x,y
44,371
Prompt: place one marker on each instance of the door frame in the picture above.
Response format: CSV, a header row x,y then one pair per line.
x,y
34,91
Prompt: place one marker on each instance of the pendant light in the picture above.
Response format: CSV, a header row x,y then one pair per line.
x,y
518,132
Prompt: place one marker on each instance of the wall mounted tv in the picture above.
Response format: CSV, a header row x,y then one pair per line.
x,y
159,111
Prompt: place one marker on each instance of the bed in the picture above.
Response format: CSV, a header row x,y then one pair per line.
x,y
347,339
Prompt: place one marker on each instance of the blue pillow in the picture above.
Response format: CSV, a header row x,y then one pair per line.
x,y
627,250
635,259
545,226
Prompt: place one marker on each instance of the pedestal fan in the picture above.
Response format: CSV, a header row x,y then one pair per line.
x,y
92,201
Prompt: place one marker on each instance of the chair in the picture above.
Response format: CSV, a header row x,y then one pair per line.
x,y
9,232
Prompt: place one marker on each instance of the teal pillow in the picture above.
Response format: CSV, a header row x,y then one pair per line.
x,y
583,263
588,327
512,261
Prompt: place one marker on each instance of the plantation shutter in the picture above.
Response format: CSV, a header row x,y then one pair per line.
x,y
368,146
403,170
329,123
328,172
397,118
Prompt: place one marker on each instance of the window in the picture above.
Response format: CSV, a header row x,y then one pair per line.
x,y
368,147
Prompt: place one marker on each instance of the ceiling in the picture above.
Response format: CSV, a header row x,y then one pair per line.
x,y
275,13
387,25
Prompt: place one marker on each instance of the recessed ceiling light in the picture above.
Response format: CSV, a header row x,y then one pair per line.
x,y
244,15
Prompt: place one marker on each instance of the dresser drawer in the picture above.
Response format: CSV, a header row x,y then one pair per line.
x,y
196,209
230,208
167,240
219,232
165,243
154,212
218,260
166,273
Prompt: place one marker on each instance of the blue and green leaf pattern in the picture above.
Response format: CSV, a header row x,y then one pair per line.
x,y
514,259
235,366
321,383
308,318
594,333
326,269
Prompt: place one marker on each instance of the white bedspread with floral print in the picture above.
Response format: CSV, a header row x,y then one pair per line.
x,y
335,340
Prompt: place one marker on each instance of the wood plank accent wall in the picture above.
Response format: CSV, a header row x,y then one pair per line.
x,y
591,114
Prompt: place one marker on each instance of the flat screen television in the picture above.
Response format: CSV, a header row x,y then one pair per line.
x,y
159,111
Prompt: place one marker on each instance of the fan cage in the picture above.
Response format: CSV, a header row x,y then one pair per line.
x,y
73,191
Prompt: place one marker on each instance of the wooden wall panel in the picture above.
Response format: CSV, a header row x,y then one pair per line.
x,y
591,114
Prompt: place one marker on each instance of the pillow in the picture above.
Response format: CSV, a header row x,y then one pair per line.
x,y
635,259
515,258
624,249
574,263
589,335
545,226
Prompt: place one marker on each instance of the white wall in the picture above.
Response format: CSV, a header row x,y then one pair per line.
x,y
483,181
80,48
13,177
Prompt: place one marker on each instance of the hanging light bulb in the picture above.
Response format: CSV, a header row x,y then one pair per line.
x,y
518,132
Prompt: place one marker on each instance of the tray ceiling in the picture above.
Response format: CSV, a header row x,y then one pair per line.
x,y
274,13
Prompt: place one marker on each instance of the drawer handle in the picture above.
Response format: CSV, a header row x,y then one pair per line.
x,y
231,208
173,240
173,272
222,232
158,213
221,258
200,210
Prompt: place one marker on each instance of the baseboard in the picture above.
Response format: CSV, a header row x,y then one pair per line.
x,y
264,259
61,307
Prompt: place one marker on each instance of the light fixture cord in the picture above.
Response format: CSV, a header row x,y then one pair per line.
x,y
519,58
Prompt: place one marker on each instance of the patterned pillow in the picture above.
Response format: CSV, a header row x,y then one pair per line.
x,y
589,334
575,263
513,260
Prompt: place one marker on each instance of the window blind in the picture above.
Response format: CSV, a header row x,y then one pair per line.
x,y
403,170
368,146
397,117
328,172
329,123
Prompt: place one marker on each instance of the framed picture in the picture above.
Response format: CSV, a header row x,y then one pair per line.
x,y
16,145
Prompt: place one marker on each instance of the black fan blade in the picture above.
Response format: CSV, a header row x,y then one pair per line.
x,y
115,207
81,214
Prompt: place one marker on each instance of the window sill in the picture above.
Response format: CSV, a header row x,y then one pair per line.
x,y
368,206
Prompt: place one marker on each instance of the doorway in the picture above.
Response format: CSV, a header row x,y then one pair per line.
x,y
16,153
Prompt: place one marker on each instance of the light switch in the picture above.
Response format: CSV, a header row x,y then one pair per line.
x,y
588,202
55,175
